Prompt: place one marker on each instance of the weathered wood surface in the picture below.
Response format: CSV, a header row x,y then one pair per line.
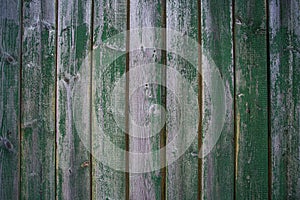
x,y
38,100
73,99
284,38
47,96
217,43
144,101
182,181
109,22
251,100
10,30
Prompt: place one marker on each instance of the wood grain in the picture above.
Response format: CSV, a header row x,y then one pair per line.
x,y
284,39
73,99
182,182
145,99
10,30
38,101
217,43
52,115
110,20
251,96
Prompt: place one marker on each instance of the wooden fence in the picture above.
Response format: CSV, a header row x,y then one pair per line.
x,y
58,98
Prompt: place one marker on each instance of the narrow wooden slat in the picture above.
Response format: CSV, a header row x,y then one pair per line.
x,y
73,99
10,30
279,85
182,181
251,100
110,20
145,100
217,42
127,68
38,101
284,22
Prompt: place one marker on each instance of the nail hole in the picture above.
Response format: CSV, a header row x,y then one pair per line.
x,y
8,145
85,164
66,80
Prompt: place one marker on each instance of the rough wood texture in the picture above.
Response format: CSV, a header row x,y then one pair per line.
x,y
182,181
145,100
217,43
251,100
9,98
110,20
285,103
38,101
41,91
73,99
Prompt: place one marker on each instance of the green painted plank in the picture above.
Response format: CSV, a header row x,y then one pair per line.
x,y
109,22
217,42
38,101
9,98
251,100
145,100
73,99
182,181
285,103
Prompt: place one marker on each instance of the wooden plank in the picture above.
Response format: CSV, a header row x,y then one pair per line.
x,y
38,100
109,21
182,182
144,100
251,100
73,99
10,30
284,38
217,42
